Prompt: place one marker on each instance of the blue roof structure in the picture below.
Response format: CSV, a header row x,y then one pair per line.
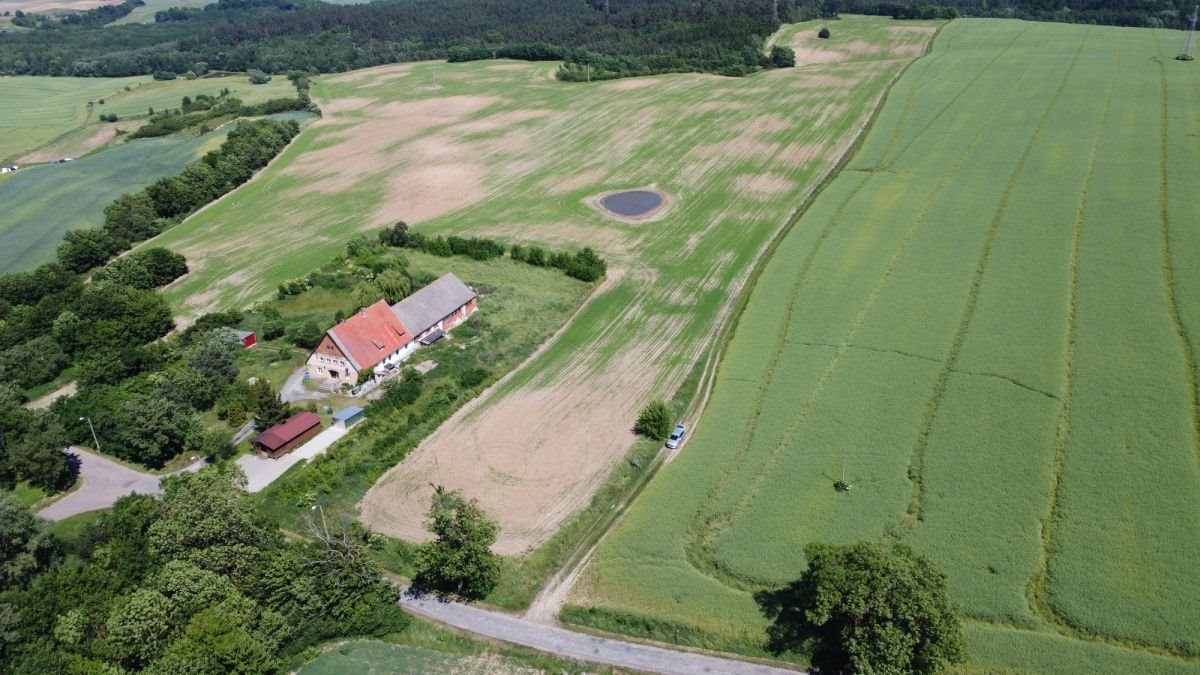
x,y
347,413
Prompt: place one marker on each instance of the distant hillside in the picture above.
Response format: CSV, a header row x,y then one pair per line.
x,y
279,35
622,37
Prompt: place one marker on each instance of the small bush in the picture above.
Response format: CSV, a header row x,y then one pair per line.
x,y
654,421
164,75
823,33
257,76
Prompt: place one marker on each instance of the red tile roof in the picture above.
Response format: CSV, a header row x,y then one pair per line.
x,y
370,335
281,434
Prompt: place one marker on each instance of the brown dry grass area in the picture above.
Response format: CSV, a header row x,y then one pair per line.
x,y
531,482
631,84
765,185
78,143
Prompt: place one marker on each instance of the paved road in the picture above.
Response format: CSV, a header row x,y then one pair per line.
x,y
104,482
578,646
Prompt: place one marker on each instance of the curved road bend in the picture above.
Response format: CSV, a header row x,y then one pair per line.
x,y
579,646
103,481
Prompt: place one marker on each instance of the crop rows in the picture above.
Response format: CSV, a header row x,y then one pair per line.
x,y
997,294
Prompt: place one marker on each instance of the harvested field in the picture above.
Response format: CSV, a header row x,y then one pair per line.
x,y
990,320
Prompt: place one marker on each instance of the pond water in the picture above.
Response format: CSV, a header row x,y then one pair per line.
x,y
632,202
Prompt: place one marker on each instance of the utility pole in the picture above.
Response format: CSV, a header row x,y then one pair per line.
x,y
1189,42
435,77
589,76
324,525
94,437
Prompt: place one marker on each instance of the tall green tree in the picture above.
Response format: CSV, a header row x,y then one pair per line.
x,y
867,608
460,559
25,547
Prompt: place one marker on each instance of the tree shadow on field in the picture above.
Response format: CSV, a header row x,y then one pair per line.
x,y
790,631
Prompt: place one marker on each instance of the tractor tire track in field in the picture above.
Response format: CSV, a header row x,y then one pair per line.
x,y
1168,266
883,163
707,526
917,463
1036,588
694,549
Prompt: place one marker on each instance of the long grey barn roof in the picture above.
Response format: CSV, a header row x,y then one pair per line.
x,y
421,310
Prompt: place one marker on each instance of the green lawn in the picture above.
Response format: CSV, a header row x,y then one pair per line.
x,y
989,320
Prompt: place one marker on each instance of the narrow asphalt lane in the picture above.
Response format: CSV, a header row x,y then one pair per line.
x,y
103,482
579,646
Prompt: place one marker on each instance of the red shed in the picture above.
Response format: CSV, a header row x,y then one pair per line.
x,y
283,438
248,338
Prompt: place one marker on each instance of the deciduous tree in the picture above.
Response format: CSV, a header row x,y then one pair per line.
x,y
460,559
867,608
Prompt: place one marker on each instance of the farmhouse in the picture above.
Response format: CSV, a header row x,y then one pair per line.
x,y
437,308
373,338
283,438
379,337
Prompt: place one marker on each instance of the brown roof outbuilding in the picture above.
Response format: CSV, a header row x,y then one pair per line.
x,y
281,434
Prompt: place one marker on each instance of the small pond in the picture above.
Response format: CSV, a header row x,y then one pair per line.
x,y
632,202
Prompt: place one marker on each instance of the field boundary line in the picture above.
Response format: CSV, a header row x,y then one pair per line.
x,y
698,549
916,465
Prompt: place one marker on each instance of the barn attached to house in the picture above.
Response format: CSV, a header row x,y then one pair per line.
x,y
432,311
371,339
283,438
380,337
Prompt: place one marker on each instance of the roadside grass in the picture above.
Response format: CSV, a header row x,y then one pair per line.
x,y
27,494
991,355
35,110
425,647
69,529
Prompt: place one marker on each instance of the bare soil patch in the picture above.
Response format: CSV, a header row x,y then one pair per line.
x,y
420,193
44,402
373,74
765,185
577,182
632,84
515,454
78,143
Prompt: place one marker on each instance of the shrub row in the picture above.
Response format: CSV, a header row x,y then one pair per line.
x,y
585,264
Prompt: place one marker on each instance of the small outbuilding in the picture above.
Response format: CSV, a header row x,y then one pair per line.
x,y
248,338
283,438
348,417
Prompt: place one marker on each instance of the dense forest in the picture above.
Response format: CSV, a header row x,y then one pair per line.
x,y
1137,13
280,35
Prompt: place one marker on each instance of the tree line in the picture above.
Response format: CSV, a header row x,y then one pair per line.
x,y
280,35
193,582
1133,13
140,392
